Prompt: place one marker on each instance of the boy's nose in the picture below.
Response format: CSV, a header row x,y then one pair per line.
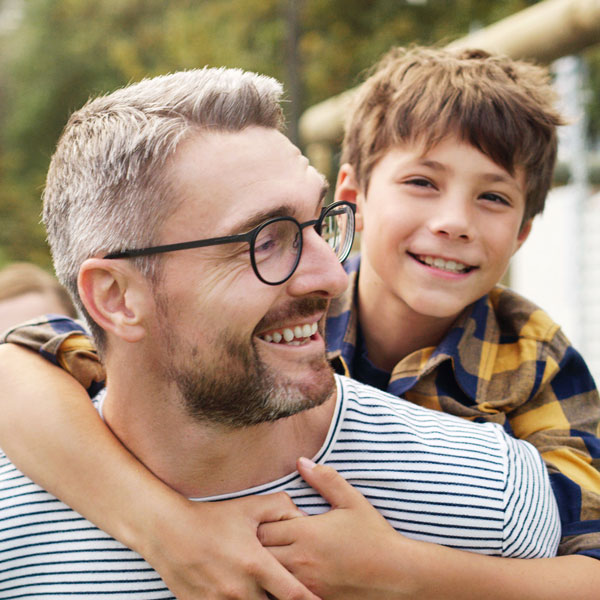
x,y
452,218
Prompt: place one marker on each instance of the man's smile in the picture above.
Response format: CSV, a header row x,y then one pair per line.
x,y
292,336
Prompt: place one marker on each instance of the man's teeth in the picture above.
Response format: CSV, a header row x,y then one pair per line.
x,y
292,337
445,265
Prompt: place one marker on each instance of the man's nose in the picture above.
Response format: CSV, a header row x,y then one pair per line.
x,y
319,271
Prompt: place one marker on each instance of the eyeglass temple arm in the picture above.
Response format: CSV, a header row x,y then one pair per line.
x,y
179,246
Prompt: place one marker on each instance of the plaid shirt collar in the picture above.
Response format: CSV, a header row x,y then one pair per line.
x,y
470,344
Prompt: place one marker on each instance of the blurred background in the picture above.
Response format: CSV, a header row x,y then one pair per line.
x,y
55,54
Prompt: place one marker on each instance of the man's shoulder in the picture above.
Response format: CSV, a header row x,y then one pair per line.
x,y
38,531
384,418
423,469
377,406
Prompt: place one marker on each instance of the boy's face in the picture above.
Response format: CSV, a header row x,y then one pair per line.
x,y
438,229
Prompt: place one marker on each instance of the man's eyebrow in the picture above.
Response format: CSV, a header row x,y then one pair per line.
x,y
324,190
283,210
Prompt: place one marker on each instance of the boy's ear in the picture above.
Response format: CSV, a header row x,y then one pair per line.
x,y
347,189
114,296
524,233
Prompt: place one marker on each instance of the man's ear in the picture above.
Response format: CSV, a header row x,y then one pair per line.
x,y
347,189
524,233
115,297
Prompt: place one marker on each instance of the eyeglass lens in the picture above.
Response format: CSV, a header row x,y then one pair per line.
x,y
338,231
276,250
276,247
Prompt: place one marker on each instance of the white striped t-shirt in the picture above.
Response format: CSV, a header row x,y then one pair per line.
x,y
433,476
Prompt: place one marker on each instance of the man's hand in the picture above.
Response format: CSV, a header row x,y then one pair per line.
x,y
350,552
211,551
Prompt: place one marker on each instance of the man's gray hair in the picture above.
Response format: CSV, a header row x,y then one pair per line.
x,y
107,187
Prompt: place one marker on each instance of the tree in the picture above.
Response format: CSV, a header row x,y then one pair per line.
x,y
66,50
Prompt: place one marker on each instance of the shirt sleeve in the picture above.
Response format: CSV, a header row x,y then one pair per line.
x,y
531,521
65,343
562,421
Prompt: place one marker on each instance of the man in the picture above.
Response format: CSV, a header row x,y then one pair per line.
x,y
192,235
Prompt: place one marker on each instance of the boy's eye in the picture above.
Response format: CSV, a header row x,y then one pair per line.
x,y
496,198
419,182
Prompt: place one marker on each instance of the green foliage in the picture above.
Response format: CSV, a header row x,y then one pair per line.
x,y
65,51
342,38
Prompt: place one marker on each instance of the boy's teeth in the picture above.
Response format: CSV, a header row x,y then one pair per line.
x,y
446,265
292,337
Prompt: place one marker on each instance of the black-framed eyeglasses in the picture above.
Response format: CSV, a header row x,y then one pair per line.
x,y
276,244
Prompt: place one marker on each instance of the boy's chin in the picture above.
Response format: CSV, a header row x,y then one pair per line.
x,y
440,309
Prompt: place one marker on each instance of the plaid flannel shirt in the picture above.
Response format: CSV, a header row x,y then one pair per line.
x,y
505,360
65,343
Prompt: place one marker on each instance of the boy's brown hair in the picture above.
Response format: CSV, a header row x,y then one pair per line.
x,y
503,107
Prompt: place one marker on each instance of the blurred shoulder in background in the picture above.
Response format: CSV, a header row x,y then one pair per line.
x,y
27,291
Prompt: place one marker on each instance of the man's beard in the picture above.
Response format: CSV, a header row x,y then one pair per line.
x,y
235,388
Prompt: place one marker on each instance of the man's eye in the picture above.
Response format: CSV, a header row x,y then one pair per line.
x,y
264,244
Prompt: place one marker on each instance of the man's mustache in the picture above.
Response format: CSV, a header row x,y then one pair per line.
x,y
305,307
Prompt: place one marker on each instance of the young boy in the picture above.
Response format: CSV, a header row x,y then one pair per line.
x,y
448,158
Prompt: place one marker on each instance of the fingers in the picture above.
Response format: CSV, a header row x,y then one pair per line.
x,y
280,583
273,507
330,484
276,534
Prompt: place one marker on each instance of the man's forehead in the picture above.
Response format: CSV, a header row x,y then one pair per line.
x,y
228,179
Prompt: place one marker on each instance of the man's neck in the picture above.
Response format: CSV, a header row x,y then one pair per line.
x,y
201,459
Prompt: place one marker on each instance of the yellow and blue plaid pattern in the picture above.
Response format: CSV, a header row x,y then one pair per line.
x,y
506,361
64,342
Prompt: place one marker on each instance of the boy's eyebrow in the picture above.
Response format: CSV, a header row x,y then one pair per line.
x,y
495,177
501,178
428,162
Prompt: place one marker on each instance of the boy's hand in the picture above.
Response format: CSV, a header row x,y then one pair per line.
x,y
211,551
350,552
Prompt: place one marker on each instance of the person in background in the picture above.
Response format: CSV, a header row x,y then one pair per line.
x,y
27,291
448,158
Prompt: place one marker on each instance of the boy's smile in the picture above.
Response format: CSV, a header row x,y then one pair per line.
x,y
438,229
452,266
